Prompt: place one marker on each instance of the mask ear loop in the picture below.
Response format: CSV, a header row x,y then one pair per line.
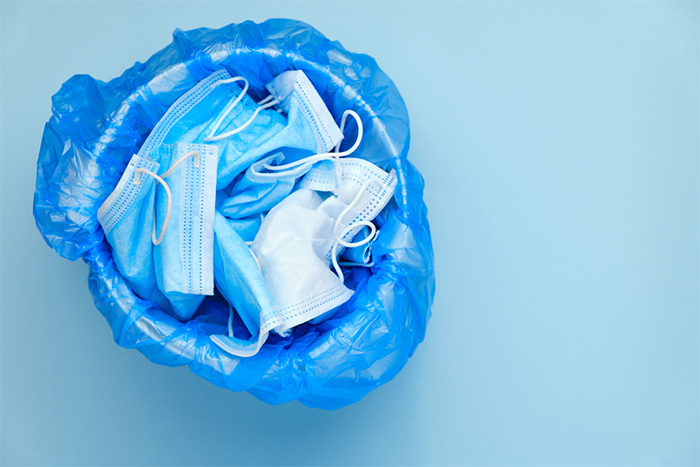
x,y
137,180
361,265
159,179
263,104
233,104
327,155
344,232
255,257
196,156
336,159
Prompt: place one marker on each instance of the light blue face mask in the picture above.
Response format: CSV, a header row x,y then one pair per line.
x,y
217,111
241,282
257,192
298,99
247,227
127,218
172,268
310,135
184,258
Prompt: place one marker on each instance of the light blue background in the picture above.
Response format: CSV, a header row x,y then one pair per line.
x,y
560,147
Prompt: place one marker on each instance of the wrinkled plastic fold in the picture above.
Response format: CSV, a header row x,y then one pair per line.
x,y
95,129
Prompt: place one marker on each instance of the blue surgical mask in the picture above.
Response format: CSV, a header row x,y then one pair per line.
x,y
184,258
247,227
217,111
300,101
310,135
127,218
257,191
241,282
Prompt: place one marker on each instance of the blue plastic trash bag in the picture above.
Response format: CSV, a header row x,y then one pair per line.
x,y
95,129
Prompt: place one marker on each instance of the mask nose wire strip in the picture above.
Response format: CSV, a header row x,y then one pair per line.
x,y
230,321
263,104
137,180
327,155
339,236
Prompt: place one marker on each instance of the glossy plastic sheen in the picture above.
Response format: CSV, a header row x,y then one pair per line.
x,y
95,129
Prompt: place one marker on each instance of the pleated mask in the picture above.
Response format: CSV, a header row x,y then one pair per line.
x,y
127,218
310,135
184,258
301,238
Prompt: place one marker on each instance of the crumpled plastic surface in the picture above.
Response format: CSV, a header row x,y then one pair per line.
x,y
97,126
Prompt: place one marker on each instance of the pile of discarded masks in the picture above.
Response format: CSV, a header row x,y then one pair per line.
x,y
254,199
245,206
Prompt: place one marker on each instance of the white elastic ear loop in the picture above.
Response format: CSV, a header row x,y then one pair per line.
x,y
137,180
342,128
233,104
255,257
336,158
179,161
339,241
339,236
327,155
263,104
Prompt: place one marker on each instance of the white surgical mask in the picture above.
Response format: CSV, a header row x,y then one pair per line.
x,y
300,239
